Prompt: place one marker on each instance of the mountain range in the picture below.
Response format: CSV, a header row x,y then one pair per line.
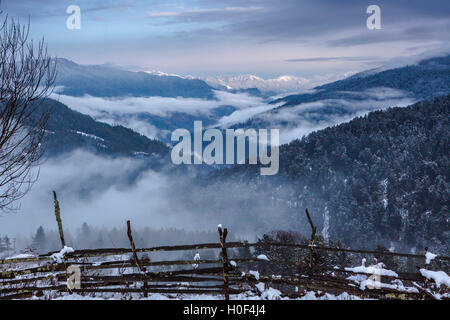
x,y
280,85
425,80
381,178
107,81
294,115
342,100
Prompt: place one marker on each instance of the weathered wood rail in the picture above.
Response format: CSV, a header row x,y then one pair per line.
x,y
133,274
231,245
20,282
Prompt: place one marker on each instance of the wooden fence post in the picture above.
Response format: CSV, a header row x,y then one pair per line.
x,y
58,220
223,238
311,244
136,259
247,255
61,230
425,283
427,265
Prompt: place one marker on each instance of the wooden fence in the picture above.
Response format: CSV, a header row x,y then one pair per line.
x,y
135,275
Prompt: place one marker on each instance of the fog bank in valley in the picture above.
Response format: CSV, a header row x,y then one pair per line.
x,y
105,192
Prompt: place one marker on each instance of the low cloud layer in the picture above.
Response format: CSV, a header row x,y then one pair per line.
x,y
105,192
100,191
128,111
138,113
97,190
297,121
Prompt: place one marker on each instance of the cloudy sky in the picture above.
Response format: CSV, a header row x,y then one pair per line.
x,y
262,37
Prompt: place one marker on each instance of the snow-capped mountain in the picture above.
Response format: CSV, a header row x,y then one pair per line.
x,y
165,74
111,80
339,101
282,84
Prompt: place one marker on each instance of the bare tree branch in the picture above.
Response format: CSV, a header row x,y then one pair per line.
x,y
27,75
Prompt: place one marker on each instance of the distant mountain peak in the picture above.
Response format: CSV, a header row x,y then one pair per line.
x,y
165,74
281,84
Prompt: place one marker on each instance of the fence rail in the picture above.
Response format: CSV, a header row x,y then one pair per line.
x,y
232,245
37,276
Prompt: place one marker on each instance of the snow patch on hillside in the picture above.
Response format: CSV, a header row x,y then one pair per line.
x,y
88,135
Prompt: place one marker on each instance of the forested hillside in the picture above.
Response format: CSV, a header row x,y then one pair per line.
x,y
68,130
367,91
379,179
427,79
106,81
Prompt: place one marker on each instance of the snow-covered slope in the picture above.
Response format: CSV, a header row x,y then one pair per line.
x,y
281,84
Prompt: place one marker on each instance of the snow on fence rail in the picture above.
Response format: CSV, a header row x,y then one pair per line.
x,y
230,245
46,275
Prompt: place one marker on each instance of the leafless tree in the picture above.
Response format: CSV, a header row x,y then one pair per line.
x,y
27,76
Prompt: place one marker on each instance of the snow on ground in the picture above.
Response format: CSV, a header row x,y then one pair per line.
x,y
367,279
88,135
370,283
265,294
373,278
440,277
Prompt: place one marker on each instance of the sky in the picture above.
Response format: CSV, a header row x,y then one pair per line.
x,y
262,37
